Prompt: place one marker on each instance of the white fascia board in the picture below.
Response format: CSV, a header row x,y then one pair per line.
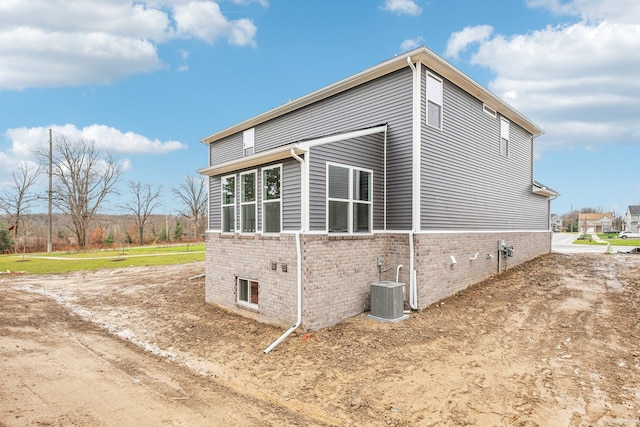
x,y
544,191
341,137
251,161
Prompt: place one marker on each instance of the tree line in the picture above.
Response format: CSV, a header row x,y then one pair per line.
x,y
83,177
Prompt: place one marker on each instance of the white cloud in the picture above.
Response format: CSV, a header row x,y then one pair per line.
x,y
23,143
102,40
204,20
408,7
410,44
459,41
579,81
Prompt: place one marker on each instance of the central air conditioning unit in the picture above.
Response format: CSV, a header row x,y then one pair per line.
x,y
387,301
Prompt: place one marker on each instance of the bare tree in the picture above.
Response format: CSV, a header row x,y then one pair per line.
x,y
192,193
145,200
83,176
17,201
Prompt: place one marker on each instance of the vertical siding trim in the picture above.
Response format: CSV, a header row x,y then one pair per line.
x,y
417,143
384,181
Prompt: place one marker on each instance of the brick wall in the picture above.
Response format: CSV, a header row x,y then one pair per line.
x,y
438,279
250,257
338,271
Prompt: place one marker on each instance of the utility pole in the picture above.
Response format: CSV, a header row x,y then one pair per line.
x,y
49,245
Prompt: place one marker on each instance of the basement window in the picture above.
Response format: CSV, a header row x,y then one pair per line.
x,y
248,292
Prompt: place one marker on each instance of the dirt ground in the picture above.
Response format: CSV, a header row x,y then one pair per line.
x,y
554,342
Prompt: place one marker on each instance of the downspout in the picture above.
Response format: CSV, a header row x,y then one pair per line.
x,y
299,261
413,285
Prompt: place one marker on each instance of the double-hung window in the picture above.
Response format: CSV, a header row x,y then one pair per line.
x,y
228,203
272,199
248,202
349,199
248,292
504,137
434,101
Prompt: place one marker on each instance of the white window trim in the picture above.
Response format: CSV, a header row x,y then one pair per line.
x,y
234,204
504,135
278,166
248,141
441,104
489,111
350,201
248,303
255,201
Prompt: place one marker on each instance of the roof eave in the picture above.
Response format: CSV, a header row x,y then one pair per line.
x,y
421,54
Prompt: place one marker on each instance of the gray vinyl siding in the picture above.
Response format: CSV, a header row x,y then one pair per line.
x,y
466,183
226,149
291,195
387,99
215,203
366,153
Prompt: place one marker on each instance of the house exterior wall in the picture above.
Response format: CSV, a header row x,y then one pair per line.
x,y
632,218
387,99
366,153
466,183
438,279
337,271
249,257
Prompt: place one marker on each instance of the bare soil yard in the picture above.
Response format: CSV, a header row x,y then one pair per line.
x,y
554,342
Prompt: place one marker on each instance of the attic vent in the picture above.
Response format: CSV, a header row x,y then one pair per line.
x,y
490,111
387,301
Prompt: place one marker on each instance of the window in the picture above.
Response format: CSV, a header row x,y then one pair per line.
x,y
228,204
349,198
248,141
490,111
247,292
504,137
248,202
434,101
271,199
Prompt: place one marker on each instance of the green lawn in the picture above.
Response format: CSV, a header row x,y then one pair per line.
x,y
62,262
614,242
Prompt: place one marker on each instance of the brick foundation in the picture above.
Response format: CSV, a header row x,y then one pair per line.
x,y
337,271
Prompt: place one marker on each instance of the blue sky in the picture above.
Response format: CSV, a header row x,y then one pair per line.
x,y
149,78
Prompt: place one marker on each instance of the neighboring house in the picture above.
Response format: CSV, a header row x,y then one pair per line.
x,y
595,222
556,223
632,218
408,170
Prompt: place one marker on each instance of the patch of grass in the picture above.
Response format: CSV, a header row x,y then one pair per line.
x,y
134,257
588,242
625,242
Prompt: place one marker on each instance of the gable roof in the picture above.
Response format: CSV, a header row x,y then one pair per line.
x,y
421,55
634,210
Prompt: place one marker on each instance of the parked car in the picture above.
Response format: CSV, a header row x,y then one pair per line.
x,y
628,235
